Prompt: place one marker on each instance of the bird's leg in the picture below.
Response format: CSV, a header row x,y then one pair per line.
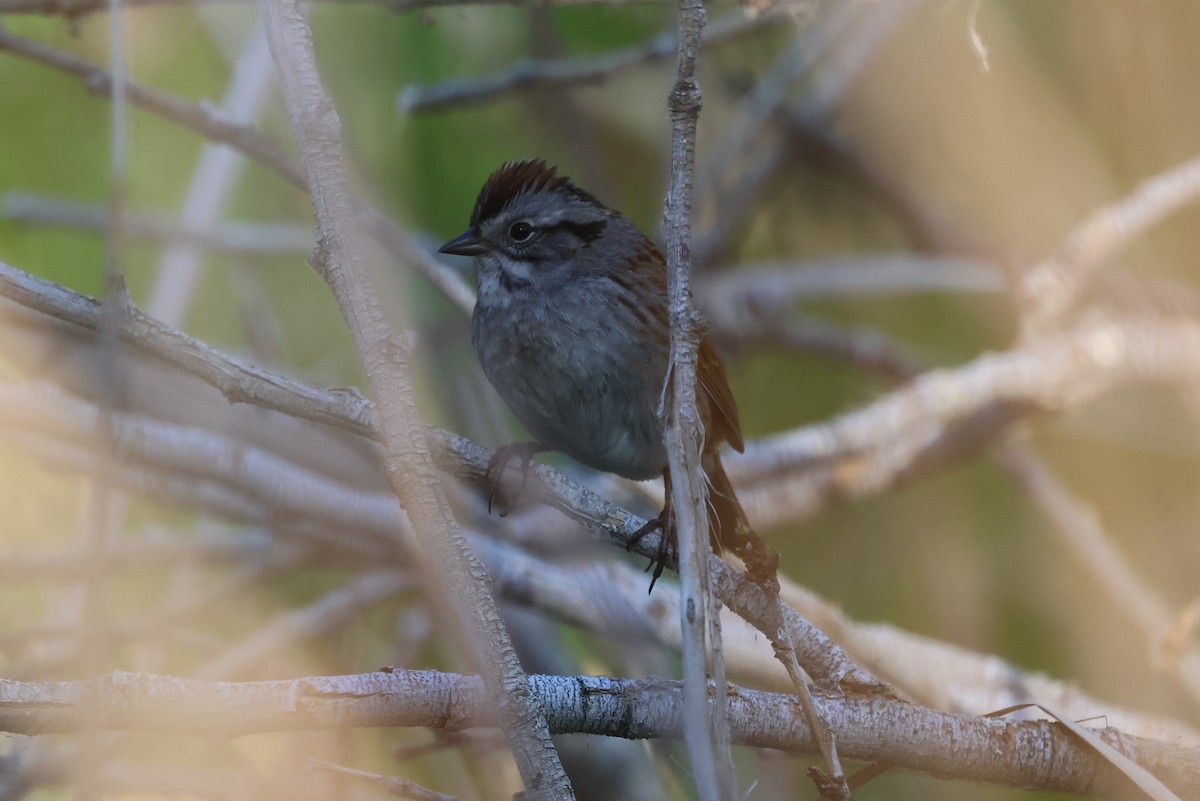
x,y
500,459
665,522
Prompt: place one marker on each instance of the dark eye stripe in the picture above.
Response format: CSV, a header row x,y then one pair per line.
x,y
585,232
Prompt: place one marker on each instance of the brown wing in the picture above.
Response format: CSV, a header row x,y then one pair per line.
x,y
711,382
710,375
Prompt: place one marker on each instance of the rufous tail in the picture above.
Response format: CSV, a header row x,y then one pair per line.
x,y
728,527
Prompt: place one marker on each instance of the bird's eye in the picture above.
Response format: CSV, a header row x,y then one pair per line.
x,y
520,231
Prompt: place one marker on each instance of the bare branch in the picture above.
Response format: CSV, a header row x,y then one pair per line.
x,y
776,286
213,179
81,8
741,153
948,412
201,118
962,680
408,462
1031,754
1051,286
393,784
238,381
1082,531
706,730
571,71
244,238
194,116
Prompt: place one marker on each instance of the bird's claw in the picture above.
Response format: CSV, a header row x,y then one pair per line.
x,y
667,543
525,451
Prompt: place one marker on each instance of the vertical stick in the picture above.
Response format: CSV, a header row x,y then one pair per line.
x,y
706,729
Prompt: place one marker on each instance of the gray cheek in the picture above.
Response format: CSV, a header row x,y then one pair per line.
x,y
521,271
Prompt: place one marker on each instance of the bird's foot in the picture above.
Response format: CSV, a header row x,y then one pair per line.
x,y
668,544
523,451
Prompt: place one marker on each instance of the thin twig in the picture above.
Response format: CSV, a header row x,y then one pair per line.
x,y
75,9
195,116
782,284
741,153
770,91
866,450
868,349
393,784
215,176
706,729
531,74
243,238
1050,287
334,610
1083,532
203,120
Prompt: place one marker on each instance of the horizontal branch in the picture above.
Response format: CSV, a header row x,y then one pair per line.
x,y
776,285
1030,754
80,8
530,74
944,412
150,551
236,237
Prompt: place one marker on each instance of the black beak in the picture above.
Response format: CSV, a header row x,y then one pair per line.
x,y
465,244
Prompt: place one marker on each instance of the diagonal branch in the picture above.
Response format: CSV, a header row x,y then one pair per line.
x,y
202,119
1052,285
387,362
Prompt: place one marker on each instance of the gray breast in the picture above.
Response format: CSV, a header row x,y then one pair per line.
x,y
574,375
